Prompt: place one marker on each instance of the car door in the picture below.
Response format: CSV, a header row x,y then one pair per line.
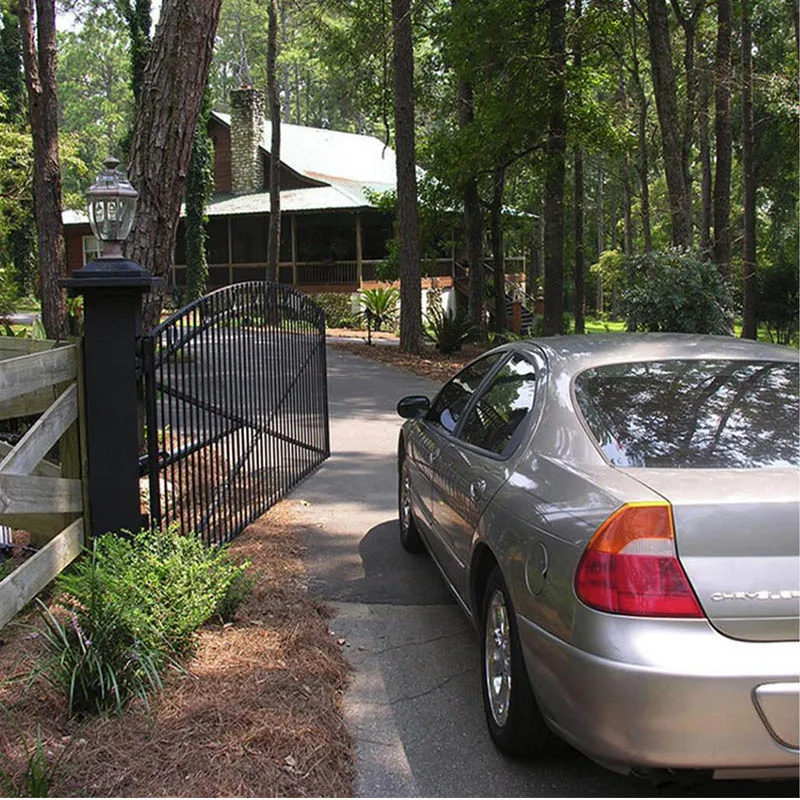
x,y
474,463
436,431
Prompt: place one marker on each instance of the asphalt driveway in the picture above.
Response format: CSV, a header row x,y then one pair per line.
x,y
414,705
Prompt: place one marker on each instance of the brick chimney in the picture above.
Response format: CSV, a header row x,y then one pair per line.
x,y
247,132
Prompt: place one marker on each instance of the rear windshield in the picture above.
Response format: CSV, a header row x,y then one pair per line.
x,y
700,414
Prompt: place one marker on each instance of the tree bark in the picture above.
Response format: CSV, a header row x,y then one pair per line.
x,y
750,319
663,73
689,24
167,113
555,170
274,240
473,221
643,167
498,190
705,166
724,140
39,59
407,214
579,273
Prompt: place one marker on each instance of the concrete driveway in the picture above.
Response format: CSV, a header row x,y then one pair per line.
x,y
414,705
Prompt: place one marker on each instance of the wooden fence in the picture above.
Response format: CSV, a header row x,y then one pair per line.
x,y
36,494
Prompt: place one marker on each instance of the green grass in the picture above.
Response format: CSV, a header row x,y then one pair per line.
x,y
592,325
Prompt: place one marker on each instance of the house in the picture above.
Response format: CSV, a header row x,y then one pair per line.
x,y
333,238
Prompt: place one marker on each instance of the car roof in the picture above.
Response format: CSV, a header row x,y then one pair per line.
x,y
573,354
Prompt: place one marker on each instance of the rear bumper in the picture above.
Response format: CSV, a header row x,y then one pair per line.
x,y
668,694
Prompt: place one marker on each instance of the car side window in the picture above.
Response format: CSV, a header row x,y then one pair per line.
x,y
500,409
451,401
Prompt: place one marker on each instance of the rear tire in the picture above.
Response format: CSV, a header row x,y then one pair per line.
x,y
409,533
515,723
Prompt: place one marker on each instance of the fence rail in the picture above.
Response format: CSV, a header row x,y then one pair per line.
x,y
39,496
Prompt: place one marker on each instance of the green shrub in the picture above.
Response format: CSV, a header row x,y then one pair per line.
x,y
676,291
161,584
447,330
239,590
380,305
338,310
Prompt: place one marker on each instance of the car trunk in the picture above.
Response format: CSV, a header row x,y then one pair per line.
x,y
736,534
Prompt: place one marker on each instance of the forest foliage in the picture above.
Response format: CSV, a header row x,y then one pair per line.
x,y
649,95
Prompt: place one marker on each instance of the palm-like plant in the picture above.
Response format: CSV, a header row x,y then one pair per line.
x,y
380,305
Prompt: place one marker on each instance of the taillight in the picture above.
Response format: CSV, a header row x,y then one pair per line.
x,y
630,566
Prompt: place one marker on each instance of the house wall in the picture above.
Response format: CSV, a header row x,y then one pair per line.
x,y
221,137
73,245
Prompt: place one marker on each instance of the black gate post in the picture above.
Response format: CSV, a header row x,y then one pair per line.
x,y
112,290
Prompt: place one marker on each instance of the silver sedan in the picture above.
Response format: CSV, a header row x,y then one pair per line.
x,y
619,516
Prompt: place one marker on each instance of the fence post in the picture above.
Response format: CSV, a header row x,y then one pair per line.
x,y
112,290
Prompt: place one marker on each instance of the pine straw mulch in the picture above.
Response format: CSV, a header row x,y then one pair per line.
x,y
429,364
257,713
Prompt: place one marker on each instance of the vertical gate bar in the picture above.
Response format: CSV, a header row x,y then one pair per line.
x,y
250,503
288,406
273,456
244,412
180,384
201,365
213,518
198,459
240,343
255,490
284,370
190,414
323,382
234,437
151,415
170,422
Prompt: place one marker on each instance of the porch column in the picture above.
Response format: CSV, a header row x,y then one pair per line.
x,y
359,266
293,226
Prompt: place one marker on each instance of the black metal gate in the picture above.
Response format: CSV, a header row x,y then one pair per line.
x,y
236,406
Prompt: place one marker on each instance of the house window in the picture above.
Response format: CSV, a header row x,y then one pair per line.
x,y
91,249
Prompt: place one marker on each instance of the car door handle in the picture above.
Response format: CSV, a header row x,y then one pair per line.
x,y
477,488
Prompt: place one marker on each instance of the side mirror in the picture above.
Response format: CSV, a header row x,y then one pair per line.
x,y
414,406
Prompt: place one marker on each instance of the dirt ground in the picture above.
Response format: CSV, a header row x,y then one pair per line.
x,y
257,711
430,363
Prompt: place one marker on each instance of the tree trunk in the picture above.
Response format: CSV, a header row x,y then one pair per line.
x,y
498,189
580,265
643,167
39,59
166,119
407,213
601,235
705,166
750,319
724,139
473,221
689,25
663,74
555,169
274,240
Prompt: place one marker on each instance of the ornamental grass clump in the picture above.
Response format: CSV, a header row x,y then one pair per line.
x,y
132,605
447,330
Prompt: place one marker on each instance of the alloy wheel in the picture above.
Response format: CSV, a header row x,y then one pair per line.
x,y
497,667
